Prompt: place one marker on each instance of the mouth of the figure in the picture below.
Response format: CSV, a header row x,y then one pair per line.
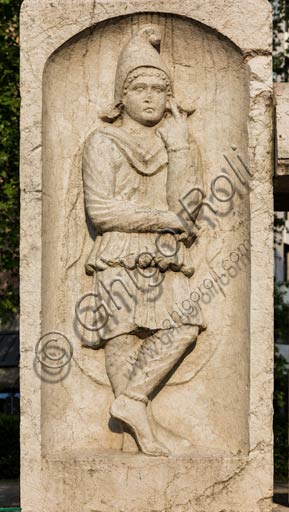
x,y
149,110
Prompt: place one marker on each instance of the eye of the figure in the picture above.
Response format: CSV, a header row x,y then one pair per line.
x,y
158,88
139,87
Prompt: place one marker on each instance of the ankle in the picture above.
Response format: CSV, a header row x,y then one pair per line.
x,y
136,396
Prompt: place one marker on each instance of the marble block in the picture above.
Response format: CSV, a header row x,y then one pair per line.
x,y
146,256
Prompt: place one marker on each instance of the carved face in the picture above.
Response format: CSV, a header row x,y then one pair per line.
x,y
145,99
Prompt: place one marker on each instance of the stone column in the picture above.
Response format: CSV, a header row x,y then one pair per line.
x,y
75,456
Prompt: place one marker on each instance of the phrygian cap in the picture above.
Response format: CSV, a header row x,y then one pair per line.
x,y
143,50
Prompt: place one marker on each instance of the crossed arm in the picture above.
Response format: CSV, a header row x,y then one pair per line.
x,y
108,213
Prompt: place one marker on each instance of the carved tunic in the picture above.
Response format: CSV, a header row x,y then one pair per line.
x,y
124,186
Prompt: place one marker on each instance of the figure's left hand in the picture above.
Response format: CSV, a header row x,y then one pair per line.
x,y
174,129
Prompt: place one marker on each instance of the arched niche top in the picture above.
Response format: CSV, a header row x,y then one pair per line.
x,y
48,24
111,22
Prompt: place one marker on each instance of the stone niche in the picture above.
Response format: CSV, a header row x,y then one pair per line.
x,y
220,398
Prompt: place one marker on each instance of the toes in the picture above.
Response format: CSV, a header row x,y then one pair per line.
x,y
159,450
156,452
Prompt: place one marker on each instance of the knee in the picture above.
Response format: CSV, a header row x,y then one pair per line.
x,y
186,334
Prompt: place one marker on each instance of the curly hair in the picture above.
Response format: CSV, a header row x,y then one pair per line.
x,y
115,112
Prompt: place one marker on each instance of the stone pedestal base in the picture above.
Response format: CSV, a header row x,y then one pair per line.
x,y
137,483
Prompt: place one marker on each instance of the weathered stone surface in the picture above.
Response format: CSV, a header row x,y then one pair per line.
x,y
219,56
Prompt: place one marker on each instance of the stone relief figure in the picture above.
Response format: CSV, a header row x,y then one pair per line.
x,y
136,167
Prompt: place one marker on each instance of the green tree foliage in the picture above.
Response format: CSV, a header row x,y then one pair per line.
x,y
281,315
9,160
280,48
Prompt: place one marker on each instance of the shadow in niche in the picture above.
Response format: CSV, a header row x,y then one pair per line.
x,y
115,426
90,228
172,371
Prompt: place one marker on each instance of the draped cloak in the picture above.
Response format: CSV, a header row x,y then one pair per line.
x,y
142,280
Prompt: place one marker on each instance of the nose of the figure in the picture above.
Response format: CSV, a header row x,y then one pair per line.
x,y
148,95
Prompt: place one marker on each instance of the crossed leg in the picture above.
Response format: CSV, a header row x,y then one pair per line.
x,y
136,367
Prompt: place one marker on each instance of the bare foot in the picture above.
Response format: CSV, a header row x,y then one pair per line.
x,y
177,445
133,414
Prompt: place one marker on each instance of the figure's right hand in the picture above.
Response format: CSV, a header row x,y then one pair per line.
x,y
184,232
174,129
